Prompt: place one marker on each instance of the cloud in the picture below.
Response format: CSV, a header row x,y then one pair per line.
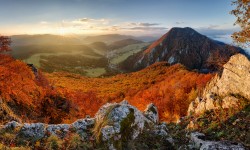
x,y
84,20
90,21
147,28
179,22
142,27
101,25
43,22
148,24
142,24
213,26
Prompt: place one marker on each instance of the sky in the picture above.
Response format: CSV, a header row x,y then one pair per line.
x,y
131,17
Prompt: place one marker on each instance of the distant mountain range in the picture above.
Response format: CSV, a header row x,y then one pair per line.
x,y
48,39
185,46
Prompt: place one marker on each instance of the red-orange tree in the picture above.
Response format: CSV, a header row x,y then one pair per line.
x,y
5,43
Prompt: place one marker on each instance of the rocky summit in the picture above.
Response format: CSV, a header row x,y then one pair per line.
x,y
185,46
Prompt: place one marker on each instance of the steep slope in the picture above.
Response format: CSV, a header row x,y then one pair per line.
x,y
228,89
26,95
185,46
99,47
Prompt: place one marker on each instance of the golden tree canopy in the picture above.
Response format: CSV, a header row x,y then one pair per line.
x,y
242,12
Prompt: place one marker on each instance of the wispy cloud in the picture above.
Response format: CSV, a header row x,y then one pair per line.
x,y
108,25
90,20
142,24
43,22
179,22
147,28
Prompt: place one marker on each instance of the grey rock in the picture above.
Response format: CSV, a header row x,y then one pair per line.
x,y
59,130
151,112
12,125
83,124
121,120
33,130
198,142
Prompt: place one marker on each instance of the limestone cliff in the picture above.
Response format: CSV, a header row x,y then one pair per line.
x,y
231,89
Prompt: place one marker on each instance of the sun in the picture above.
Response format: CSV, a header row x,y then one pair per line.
x,y
62,31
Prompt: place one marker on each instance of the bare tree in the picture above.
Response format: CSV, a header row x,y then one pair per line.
x,y
5,44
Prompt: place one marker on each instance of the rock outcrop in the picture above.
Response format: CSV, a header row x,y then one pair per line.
x,y
228,90
151,112
198,141
117,121
41,130
114,125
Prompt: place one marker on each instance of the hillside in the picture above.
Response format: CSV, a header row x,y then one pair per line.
x,y
185,46
109,38
171,88
44,39
123,43
26,95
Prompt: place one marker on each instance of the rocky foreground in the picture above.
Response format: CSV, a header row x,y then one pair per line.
x,y
115,126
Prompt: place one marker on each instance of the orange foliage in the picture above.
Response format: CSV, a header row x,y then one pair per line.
x,y
30,94
17,82
171,88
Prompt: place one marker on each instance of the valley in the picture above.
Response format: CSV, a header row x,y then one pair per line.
x,y
70,87
124,75
92,60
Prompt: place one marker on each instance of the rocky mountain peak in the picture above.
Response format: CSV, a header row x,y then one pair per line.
x,y
185,46
187,31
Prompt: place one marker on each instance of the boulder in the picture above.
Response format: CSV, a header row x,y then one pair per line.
x,y
198,141
117,122
151,112
12,125
83,127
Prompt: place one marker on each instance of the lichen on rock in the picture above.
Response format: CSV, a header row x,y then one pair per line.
x,y
118,122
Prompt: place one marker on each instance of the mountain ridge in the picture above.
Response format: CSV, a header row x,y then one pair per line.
x,y
185,46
